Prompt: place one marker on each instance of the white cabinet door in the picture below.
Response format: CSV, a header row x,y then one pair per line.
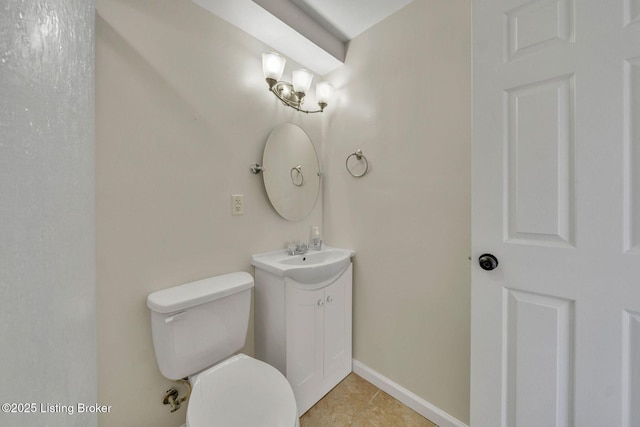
x,y
556,198
305,326
318,338
337,327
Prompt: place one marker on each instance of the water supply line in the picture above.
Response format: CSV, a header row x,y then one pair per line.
x,y
171,395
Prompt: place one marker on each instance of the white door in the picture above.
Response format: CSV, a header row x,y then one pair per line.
x,y
556,199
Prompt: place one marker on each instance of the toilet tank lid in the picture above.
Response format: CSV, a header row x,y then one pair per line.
x,y
198,292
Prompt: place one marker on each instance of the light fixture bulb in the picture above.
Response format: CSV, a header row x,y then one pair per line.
x,y
302,81
324,92
292,94
272,65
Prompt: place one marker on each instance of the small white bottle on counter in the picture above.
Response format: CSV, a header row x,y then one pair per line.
x,y
315,242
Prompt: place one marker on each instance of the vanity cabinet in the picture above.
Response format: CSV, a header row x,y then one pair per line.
x,y
305,331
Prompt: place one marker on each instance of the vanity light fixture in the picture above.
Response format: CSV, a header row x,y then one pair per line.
x,y
292,94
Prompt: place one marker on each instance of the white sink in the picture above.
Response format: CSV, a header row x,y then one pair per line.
x,y
312,267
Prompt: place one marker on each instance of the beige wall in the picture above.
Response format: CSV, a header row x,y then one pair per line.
x,y
403,97
182,111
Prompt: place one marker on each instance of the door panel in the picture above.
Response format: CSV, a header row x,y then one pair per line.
x,y
539,360
631,369
335,328
540,138
632,154
536,25
631,12
337,331
305,318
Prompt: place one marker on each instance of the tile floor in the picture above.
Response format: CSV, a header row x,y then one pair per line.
x,y
357,403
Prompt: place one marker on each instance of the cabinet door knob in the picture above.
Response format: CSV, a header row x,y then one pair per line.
x,y
329,298
320,302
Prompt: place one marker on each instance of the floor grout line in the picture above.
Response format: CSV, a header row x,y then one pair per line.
x,y
371,400
363,407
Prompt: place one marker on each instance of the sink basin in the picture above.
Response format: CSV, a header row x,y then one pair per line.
x,y
312,267
314,258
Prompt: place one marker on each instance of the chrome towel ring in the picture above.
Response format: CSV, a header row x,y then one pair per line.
x,y
296,176
359,156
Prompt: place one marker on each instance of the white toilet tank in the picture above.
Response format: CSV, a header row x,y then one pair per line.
x,y
198,324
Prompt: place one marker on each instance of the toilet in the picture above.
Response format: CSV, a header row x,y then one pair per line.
x,y
197,328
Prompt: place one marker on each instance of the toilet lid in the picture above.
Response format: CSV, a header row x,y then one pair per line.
x,y
241,392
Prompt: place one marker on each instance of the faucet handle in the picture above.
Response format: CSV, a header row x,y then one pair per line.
x,y
302,248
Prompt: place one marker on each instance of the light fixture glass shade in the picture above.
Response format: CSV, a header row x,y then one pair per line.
x,y
272,65
302,81
324,92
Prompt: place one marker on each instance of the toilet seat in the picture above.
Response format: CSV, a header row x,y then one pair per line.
x,y
241,392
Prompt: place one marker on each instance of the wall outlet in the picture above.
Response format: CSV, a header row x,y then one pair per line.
x,y
237,204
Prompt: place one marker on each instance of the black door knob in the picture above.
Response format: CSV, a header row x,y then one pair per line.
x,y
488,262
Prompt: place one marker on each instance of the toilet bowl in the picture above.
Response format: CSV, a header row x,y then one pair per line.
x,y
197,327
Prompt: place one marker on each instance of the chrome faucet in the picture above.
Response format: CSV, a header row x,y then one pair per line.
x,y
301,249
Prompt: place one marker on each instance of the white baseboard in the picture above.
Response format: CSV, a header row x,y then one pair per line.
x,y
421,406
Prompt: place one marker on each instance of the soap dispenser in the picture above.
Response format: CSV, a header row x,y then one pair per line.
x,y
315,242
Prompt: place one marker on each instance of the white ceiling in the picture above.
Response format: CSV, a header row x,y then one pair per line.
x,y
347,19
314,33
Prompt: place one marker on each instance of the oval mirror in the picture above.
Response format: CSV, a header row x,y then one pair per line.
x,y
291,172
